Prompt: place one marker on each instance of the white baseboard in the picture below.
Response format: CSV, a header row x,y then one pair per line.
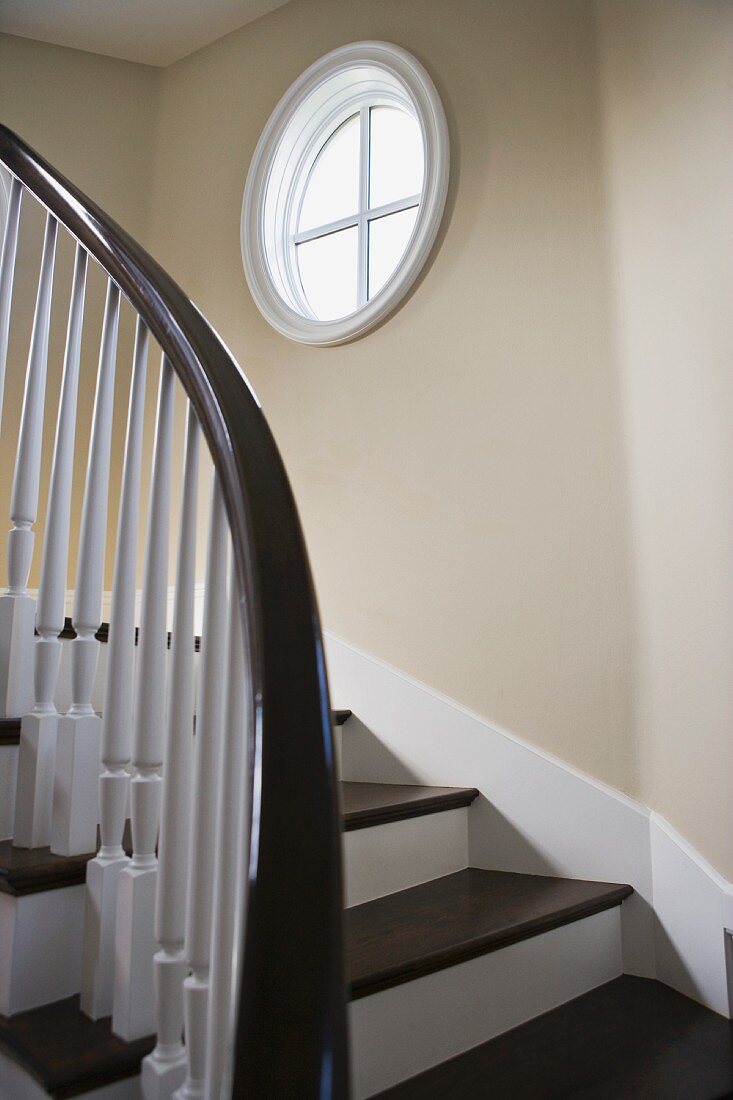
x,y
539,815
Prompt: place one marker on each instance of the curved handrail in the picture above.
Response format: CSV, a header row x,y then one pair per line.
x,y
291,1029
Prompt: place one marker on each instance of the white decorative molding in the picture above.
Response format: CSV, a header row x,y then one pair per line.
x,y
334,87
539,815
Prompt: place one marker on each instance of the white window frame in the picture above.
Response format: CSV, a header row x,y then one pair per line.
x,y
350,80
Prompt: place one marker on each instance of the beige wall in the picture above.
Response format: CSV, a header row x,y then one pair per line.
x,y
667,68
518,488
459,472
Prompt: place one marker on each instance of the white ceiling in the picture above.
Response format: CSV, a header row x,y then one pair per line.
x,y
155,32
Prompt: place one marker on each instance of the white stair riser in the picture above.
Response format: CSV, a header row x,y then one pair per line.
x,y
402,1031
8,779
40,948
386,858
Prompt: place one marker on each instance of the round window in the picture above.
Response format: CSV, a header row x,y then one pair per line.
x,y
345,194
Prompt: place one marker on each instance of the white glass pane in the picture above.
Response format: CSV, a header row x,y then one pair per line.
x,y
332,191
328,268
396,162
388,239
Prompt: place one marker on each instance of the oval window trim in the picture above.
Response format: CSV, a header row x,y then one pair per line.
x,y
339,83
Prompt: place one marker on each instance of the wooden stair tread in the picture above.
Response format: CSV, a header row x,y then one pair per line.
x,y
68,1053
367,804
30,870
390,941
631,1039
458,917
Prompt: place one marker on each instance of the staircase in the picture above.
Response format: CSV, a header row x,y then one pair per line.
x,y
193,904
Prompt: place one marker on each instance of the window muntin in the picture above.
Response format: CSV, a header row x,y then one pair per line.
x,y
370,167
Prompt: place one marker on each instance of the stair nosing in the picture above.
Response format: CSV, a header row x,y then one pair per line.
x,y
454,798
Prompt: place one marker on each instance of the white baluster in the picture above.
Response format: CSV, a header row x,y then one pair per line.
x,y
209,724
17,608
133,1007
164,1070
232,835
7,275
75,793
117,715
37,756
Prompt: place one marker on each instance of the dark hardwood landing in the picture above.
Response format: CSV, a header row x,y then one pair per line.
x,y
68,1053
30,870
366,804
633,1039
458,917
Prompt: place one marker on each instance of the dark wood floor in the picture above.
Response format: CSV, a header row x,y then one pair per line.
x,y
632,1039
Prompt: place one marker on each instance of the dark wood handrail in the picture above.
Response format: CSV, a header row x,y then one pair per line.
x,y
291,1027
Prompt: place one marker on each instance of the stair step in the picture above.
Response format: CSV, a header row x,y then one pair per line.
x,y
367,804
68,1053
427,928
28,871
390,941
631,1039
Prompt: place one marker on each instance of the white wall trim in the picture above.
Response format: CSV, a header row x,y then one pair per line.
x,y
540,815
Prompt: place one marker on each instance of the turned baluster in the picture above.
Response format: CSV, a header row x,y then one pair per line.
x,y
232,850
7,276
75,793
117,715
209,725
39,729
133,1002
164,1070
17,608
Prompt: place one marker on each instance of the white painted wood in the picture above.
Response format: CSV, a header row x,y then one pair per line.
x,y
691,904
37,759
330,91
404,1030
232,847
209,723
8,783
133,1008
164,1070
386,858
104,869
403,731
17,610
40,947
75,796
7,275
